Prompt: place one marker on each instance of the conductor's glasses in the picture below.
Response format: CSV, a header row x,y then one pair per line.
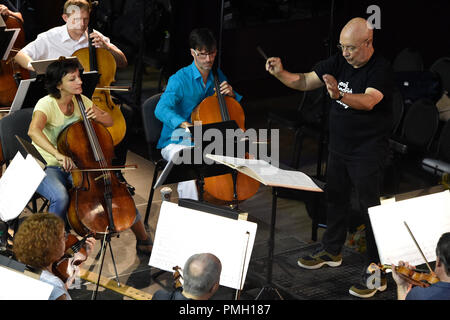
x,y
203,55
350,48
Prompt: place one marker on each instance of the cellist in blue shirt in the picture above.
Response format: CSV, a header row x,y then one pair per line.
x,y
185,90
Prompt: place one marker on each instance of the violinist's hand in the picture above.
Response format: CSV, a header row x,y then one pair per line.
x,y
332,86
402,285
90,243
66,162
274,66
71,279
226,89
98,40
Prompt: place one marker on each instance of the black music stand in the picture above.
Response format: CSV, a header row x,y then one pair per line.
x,y
106,242
174,173
7,39
31,90
268,288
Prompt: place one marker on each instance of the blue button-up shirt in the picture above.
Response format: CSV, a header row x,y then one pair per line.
x,y
185,90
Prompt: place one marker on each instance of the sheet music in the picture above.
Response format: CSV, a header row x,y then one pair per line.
x,y
428,217
267,173
20,94
182,232
40,66
18,184
18,286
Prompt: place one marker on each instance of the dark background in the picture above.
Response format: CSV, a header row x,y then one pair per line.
x,y
298,31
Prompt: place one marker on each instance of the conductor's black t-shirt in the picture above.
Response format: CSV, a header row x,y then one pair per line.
x,y
358,134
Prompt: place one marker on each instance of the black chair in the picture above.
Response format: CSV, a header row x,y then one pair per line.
x,y
398,110
439,163
442,68
152,128
408,60
309,121
418,129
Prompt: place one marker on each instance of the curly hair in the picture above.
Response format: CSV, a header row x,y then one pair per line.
x,y
37,239
56,71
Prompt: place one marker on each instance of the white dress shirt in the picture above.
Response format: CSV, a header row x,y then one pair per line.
x,y
56,42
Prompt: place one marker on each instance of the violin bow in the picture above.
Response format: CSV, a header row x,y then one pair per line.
x,y
417,245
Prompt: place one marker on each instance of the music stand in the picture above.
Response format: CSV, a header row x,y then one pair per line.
x,y
31,90
174,173
269,286
7,39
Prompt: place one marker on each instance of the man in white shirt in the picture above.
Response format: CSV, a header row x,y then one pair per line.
x,y
66,39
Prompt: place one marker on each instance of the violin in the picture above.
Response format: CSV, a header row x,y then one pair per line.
x,y
411,275
177,277
66,267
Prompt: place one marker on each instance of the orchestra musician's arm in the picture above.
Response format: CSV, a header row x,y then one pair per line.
x,y
4,11
23,60
166,110
39,121
100,41
35,131
99,115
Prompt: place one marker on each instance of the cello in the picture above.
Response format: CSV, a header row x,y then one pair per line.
x,y
219,108
101,60
99,203
10,72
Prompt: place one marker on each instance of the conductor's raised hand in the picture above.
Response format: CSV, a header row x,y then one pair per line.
x,y
332,86
274,65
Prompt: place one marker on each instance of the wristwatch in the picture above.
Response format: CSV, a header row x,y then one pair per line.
x,y
341,95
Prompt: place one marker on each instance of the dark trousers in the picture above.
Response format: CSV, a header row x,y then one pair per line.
x,y
343,175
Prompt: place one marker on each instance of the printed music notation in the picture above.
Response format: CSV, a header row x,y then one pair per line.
x,y
18,184
182,232
428,218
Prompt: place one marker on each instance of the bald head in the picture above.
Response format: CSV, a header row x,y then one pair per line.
x,y
201,275
357,29
356,42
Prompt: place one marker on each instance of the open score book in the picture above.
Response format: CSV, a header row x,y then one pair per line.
x,y
268,174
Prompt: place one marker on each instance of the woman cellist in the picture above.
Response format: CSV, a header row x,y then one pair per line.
x,y
51,115
66,39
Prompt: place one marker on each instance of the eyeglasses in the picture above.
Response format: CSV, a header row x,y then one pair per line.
x,y
203,55
351,48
